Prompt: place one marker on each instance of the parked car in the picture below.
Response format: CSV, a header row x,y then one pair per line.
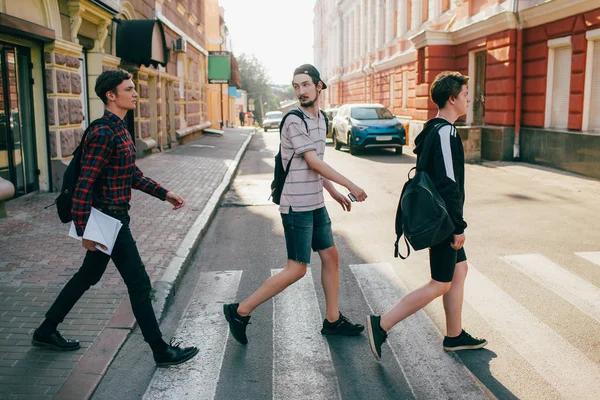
x,y
272,120
331,113
362,126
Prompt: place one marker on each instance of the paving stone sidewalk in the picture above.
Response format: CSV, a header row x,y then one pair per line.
x,y
37,258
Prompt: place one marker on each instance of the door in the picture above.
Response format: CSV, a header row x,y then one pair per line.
x,y
479,97
18,161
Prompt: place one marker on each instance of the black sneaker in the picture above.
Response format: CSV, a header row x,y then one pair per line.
x,y
342,326
54,341
377,335
237,323
464,341
174,354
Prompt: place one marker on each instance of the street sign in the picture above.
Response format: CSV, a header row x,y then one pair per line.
x,y
219,66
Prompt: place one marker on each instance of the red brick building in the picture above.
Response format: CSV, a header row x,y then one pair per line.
x,y
534,68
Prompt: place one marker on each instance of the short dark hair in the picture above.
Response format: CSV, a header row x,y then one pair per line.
x,y
447,84
108,82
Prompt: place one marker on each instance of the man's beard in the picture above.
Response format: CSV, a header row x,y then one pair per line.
x,y
309,103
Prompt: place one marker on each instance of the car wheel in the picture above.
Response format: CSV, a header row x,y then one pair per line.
x,y
353,149
266,129
336,143
399,150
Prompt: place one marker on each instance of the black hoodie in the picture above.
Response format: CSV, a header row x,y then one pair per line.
x,y
445,166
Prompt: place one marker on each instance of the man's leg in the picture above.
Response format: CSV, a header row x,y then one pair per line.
x,y
129,264
276,284
322,242
413,302
330,279
453,300
298,227
92,269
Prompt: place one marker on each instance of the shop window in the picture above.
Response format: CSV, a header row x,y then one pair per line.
x,y
558,83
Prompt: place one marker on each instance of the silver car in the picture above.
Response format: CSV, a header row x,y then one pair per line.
x,y
272,120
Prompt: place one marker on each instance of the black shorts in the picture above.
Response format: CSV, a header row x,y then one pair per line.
x,y
443,259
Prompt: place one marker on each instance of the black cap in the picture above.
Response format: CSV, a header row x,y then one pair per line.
x,y
311,71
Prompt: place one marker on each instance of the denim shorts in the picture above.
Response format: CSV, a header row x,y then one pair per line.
x,y
305,230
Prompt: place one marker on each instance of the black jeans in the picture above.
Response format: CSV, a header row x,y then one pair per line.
x,y
127,259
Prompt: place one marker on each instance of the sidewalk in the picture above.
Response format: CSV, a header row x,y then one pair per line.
x,y
37,258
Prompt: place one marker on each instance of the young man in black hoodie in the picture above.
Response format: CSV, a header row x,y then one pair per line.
x,y
447,260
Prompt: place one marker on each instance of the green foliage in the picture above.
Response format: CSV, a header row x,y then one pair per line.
x,y
255,81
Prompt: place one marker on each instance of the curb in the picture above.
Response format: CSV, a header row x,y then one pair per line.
x,y
92,367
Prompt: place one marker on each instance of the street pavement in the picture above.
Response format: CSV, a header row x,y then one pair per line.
x,y
532,291
37,258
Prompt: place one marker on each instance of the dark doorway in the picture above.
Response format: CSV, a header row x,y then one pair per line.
x,y
18,161
479,97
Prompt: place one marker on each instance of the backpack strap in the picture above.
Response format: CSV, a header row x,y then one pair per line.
x,y
300,115
427,143
97,121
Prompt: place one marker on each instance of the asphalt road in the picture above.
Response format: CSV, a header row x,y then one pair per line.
x,y
533,246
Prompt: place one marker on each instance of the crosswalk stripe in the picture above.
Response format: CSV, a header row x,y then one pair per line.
x,y
204,325
593,256
416,343
302,365
561,364
570,287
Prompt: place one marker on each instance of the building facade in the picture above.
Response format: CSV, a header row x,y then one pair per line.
x,y
534,68
51,53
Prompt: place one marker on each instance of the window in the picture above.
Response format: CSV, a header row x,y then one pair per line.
x,y
558,83
392,90
405,89
591,98
371,113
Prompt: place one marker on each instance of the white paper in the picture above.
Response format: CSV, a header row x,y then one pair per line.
x,y
100,228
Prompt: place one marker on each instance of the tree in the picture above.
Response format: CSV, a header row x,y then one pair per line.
x,y
255,82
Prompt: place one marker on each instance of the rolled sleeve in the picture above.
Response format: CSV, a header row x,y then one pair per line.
x,y
298,137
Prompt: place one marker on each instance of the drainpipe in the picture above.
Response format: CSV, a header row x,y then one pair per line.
x,y
519,81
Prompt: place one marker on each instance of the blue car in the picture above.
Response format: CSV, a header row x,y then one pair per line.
x,y
363,126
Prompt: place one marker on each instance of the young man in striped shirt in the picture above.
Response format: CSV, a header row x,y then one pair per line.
x,y
108,173
447,260
303,213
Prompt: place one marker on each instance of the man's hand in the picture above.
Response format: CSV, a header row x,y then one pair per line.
x,y
176,200
343,200
91,245
357,192
459,241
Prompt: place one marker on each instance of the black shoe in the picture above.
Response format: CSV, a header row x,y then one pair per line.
x,y
237,323
342,326
377,335
174,354
464,341
54,341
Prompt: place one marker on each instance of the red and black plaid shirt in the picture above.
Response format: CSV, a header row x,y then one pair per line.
x,y
108,171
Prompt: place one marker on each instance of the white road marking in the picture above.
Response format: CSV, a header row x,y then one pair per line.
x,y
415,342
202,145
561,364
593,256
302,365
203,325
567,285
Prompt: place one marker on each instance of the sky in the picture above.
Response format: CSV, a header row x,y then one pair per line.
x,y
278,32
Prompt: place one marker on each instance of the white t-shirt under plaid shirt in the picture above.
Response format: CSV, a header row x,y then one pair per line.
x,y
303,189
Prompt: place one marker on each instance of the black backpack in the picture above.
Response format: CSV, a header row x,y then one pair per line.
x,y
64,201
280,174
422,216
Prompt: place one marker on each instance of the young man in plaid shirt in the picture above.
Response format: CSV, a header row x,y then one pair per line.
x,y
108,173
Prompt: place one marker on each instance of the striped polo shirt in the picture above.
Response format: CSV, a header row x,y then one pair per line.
x,y
303,189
